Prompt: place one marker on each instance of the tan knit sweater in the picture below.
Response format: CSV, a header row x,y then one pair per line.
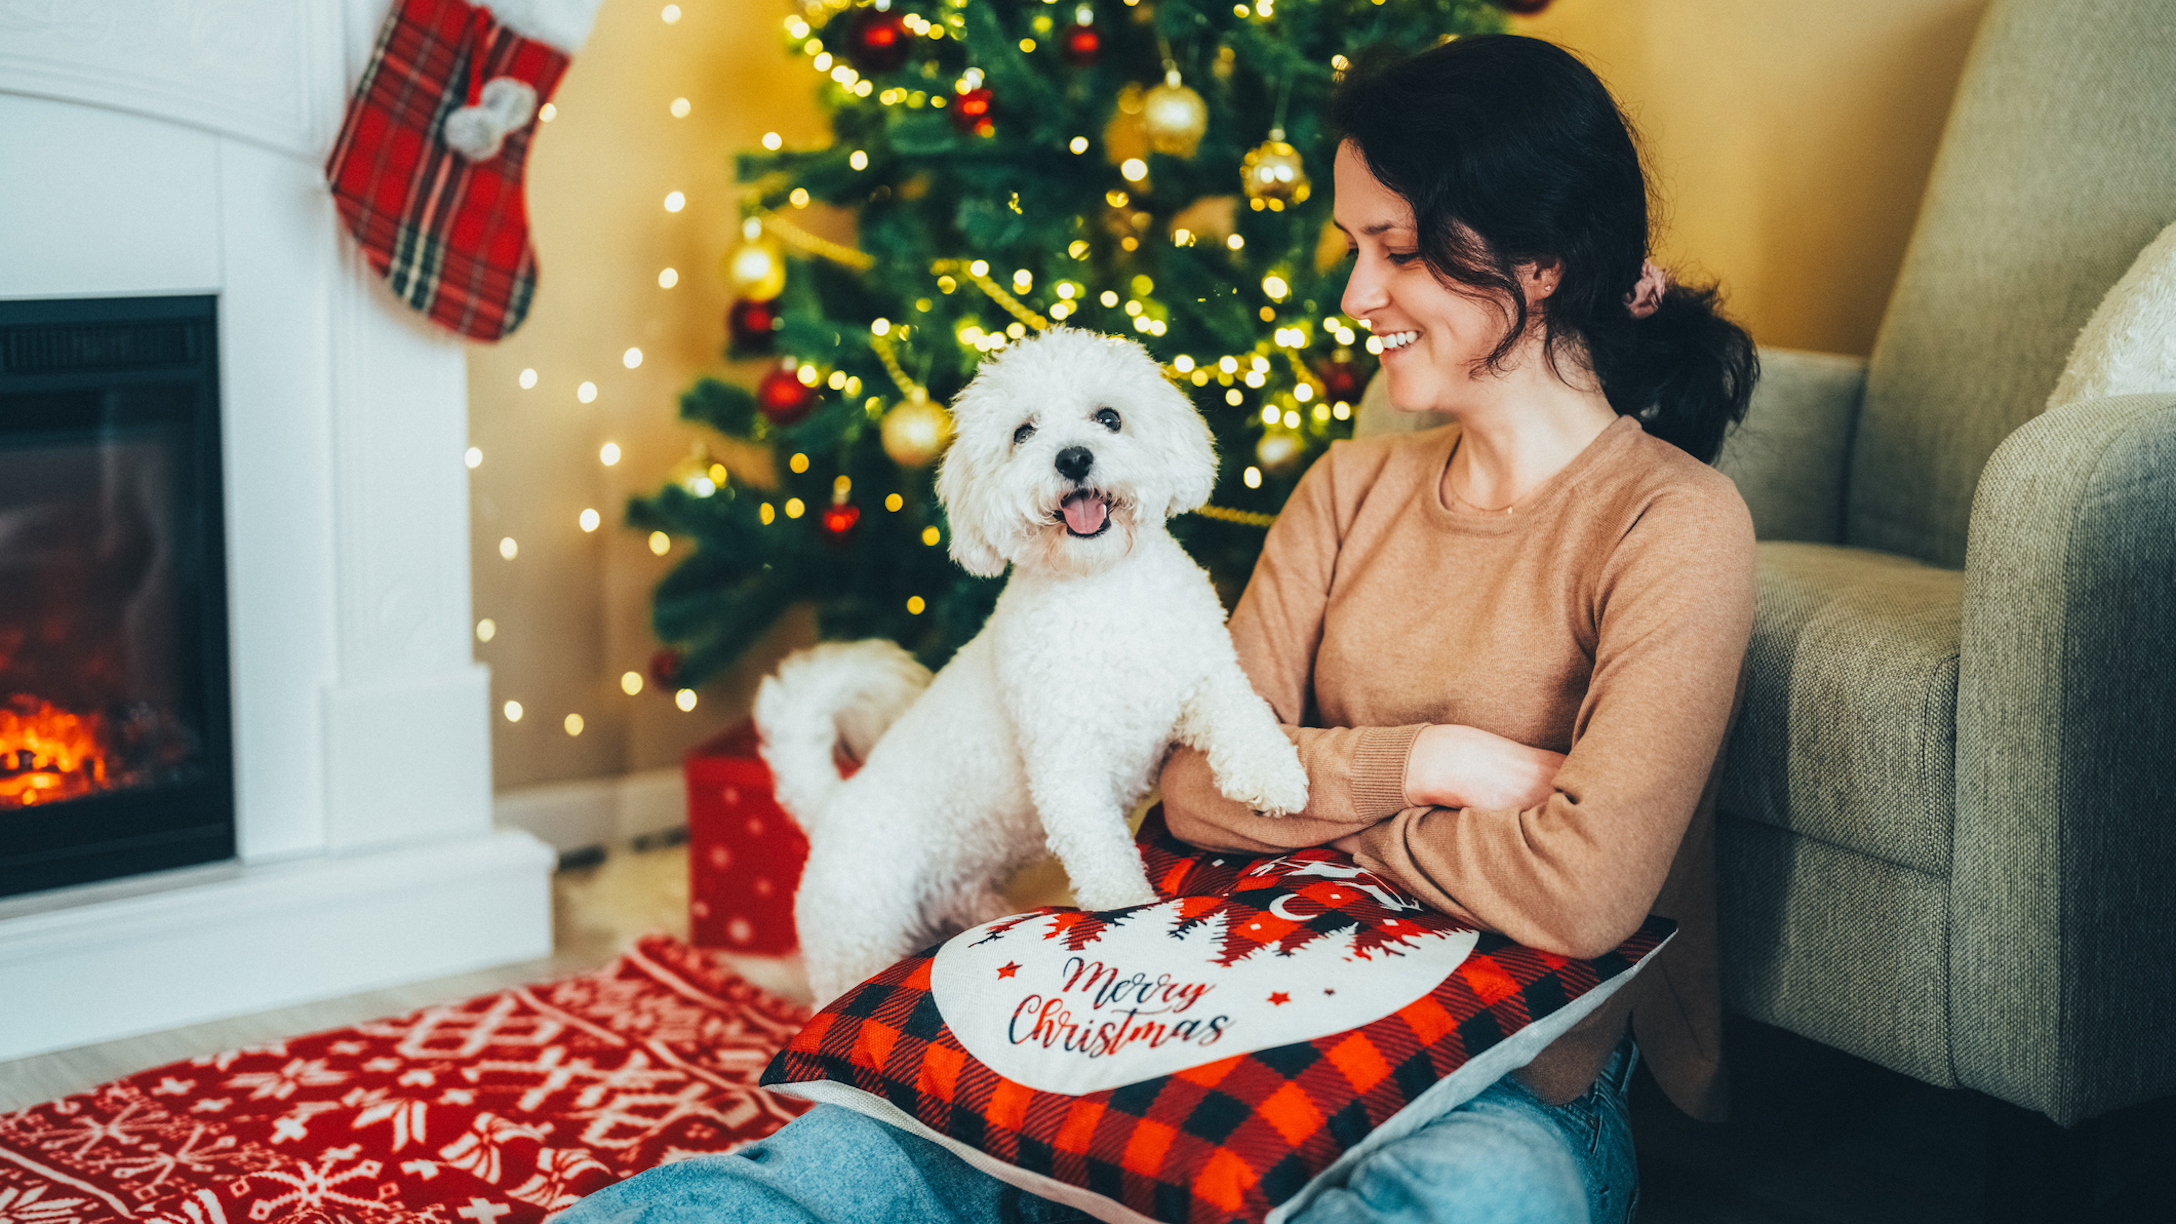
x,y
1606,617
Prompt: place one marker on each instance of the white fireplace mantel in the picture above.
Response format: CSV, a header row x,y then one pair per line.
x,y
176,146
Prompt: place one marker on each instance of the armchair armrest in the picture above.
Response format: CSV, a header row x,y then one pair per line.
x,y
1790,454
2062,912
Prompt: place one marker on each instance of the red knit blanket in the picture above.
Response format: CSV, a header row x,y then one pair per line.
x,y
498,1110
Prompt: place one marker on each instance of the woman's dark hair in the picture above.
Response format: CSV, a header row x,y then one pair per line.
x,y
1510,151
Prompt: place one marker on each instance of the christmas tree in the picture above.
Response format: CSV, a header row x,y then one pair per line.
x,y
1142,167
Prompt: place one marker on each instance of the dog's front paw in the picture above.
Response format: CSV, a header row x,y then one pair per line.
x,y
1110,896
1273,788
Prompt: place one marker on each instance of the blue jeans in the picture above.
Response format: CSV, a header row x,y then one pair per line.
x,y
1502,1157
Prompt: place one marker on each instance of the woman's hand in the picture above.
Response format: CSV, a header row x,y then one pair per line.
x,y
1459,766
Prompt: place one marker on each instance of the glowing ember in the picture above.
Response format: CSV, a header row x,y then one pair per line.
x,y
47,753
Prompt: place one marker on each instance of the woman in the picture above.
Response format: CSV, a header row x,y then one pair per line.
x,y
1507,649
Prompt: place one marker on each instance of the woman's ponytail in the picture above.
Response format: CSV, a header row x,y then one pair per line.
x,y
1685,370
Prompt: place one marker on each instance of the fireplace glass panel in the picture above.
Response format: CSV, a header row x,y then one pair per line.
x,y
115,754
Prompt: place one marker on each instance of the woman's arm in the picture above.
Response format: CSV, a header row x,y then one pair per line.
x,y
1355,774
1576,871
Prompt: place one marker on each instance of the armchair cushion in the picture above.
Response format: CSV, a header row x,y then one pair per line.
x,y
1790,453
1849,729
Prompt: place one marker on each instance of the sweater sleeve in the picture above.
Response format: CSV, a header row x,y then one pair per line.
x,y
1356,775
1577,873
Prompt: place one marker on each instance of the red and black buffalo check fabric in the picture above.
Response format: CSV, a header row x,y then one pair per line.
x,y
449,235
1228,1140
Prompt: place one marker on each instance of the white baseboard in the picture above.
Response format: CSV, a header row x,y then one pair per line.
x,y
596,811
267,935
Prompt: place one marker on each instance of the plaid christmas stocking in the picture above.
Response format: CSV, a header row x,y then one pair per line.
x,y
427,172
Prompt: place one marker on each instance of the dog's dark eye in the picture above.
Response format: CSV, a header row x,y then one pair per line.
x,y
1022,434
1107,418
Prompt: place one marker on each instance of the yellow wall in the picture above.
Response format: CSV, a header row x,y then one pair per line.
x,y
572,609
1790,143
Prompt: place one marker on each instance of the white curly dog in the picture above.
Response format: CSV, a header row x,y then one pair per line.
x,y
1107,645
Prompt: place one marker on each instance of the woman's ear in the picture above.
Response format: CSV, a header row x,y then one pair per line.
x,y
1539,279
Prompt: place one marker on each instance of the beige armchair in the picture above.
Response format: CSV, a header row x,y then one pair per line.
x,y
1948,827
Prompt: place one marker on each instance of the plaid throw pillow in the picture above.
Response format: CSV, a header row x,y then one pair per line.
x,y
1219,1055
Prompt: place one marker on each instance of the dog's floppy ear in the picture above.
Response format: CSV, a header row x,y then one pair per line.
x,y
966,486
1191,451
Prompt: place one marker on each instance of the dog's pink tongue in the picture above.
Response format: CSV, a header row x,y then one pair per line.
x,y
1085,514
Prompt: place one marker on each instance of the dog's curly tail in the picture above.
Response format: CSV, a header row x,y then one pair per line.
x,y
827,701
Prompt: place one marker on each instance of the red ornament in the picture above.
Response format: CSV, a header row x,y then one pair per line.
x,y
974,111
877,42
1082,45
839,519
750,324
664,665
1340,381
783,399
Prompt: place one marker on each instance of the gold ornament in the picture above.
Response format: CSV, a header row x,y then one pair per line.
x,y
1126,135
1175,117
699,472
916,431
1278,450
756,269
1273,175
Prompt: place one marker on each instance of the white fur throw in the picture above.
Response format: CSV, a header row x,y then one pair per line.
x,y
2128,347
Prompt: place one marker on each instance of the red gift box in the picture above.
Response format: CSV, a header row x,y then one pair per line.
x,y
744,852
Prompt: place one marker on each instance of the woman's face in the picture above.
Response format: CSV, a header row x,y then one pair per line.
x,y
1433,336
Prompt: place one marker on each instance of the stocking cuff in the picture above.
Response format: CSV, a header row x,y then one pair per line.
x,y
562,25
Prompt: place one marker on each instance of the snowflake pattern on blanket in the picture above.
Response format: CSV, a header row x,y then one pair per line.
x,y
499,1110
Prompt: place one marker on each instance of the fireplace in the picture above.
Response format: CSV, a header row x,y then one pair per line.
x,y
174,154
115,741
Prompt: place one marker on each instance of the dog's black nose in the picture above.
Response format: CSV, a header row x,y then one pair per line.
x,y
1074,462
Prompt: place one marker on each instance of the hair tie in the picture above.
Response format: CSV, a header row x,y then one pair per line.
x,y
1646,295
